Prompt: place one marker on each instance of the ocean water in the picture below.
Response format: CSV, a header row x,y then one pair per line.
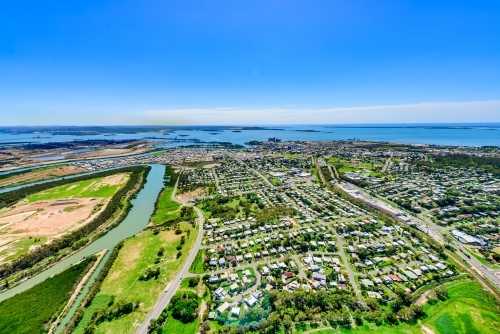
x,y
437,134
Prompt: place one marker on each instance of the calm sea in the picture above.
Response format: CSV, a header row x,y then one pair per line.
x,y
439,134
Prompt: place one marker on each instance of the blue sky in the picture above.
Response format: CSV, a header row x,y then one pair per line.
x,y
249,62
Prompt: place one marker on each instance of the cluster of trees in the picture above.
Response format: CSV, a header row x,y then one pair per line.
x,y
114,311
492,164
326,173
184,306
269,214
150,273
34,309
407,204
138,174
188,214
156,325
94,289
193,282
444,202
288,311
217,207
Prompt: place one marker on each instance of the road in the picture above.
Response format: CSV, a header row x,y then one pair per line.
x,y
436,232
384,169
176,281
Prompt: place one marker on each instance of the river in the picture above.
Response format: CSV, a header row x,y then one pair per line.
x,y
136,220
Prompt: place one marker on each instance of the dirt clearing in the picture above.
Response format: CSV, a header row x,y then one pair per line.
x,y
184,197
49,219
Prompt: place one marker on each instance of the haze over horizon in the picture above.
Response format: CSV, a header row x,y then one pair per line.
x,y
238,63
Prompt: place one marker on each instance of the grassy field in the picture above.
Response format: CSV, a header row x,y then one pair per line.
x,y
175,326
197,266
28,311
468,309
385,329
167,208
137,255
21,246
82,189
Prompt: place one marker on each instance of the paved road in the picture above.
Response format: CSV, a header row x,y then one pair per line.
x,y
176,281
350,272
384,169
436,232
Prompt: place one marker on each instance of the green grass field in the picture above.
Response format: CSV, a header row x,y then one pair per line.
x,y
21,246
197,266
136,256
468,309
28,311
82,189
385,329
175,326
167,209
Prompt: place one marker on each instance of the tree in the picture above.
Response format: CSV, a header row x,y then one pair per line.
x,y
391,318
287,323
184,307
193,282
406,314
253,316
441,293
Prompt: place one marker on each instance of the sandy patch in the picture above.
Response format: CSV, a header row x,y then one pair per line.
x,y
211,165
105,152
184,197
14,218
50,219
114,180
203,307
427,330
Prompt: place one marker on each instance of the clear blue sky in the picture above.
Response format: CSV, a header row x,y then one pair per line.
x,y
249,62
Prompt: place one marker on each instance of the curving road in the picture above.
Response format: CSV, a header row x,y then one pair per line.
x,y
176,281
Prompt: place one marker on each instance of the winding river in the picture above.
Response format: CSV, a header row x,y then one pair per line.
x,y
136,220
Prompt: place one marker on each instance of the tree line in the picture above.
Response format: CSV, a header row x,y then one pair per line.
x,y
490,163
94,289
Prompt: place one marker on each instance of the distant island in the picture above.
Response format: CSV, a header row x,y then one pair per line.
x,y
307,130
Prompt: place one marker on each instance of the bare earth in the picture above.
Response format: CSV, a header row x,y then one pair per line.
x,y
185,197
45,218
49,218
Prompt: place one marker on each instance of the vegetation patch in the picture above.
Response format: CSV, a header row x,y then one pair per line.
x,y
141,257
468,309
32,310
